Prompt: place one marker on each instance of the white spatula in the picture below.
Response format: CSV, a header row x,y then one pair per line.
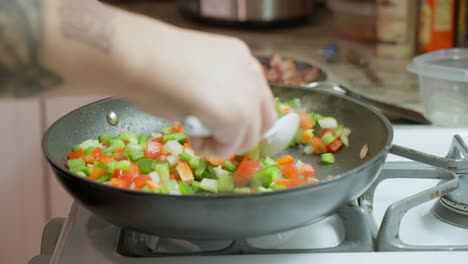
x,y
275,140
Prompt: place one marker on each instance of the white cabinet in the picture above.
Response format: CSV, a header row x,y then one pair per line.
x,y
23,188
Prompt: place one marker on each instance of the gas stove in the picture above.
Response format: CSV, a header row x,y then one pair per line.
x,y
402,217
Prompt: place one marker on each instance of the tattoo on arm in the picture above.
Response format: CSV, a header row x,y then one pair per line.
x,y
21,35
87,21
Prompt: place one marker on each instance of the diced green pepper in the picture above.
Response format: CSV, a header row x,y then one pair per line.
x,y
180,137
200,172
145,189
196,186
185,189
88,170
121,164
209,185
76,165
185,157
88,150
267,162
265,177
225,183
142,139
229,166
116,144
104,178
210,172
134,151
166,130
328,158
328,138
129,137
242,190
146,165
194,163
316,117
104,137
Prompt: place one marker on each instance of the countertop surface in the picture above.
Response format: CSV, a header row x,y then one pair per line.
x,y
304,42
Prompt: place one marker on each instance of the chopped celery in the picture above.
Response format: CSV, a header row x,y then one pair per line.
x,y
263,189
142,139
146,165
116,145
267,162
180,137
185,189
194,163
200,172
107,151
90,143
76,147
75,165
104,178
242,190
185,157
316,117
225,183
277,187
166,130
129,137
265,177
104,137
88,150
174,187
80,173
122,164
328,158
158,190
338,130
229,166
196,186
210,172
209,185
163,170
88,170
134,151
98,164
328,138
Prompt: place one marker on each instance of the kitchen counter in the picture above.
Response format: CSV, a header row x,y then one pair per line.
x,y
304,43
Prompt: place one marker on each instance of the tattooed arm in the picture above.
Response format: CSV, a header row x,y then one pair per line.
x,y
74,47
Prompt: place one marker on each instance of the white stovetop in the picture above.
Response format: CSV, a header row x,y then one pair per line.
x,y
427,139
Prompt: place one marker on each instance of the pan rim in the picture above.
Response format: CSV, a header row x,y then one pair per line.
x,y
226,196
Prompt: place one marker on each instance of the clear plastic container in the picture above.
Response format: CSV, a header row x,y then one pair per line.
x,y
355,19
443,83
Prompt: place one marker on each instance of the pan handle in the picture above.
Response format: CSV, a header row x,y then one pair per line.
x,y
456,160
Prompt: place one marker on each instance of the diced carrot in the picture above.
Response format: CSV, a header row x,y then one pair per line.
x,y
307,170
119,154
134,169
286,159
289,170
116,182
95,155
284,182
97,172
188,145
164,151
335,145
306,121
151,185
76,154
141,181
307,136
215,161
184,171
244,172
106,160
284,110
319,145
177,128
294,182
174,176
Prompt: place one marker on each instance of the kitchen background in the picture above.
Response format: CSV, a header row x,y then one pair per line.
x,y
364,45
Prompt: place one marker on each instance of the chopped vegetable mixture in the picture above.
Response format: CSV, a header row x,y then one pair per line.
x,y
165,162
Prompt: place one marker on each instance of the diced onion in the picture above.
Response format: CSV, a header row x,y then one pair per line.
x,y
154,177
328,122
156,135
219,171
345,136
132,186
174,147
299,164
309,149
363,152
173,159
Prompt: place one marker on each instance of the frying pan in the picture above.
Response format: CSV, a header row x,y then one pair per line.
x,y
224,216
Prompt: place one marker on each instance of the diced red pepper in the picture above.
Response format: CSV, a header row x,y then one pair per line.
x,y
294,182
152,150
307,170
119,183
94,155
244,173
325,130
289,170
286,159
335,145
97,172
141,181
76,154
106,160
124,175
119,154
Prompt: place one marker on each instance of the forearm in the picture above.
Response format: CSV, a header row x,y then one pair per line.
x,y
70,47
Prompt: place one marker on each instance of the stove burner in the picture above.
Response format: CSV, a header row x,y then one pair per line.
x,y
453,207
